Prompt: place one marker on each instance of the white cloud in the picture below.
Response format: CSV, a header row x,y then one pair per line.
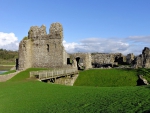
x,y
139,39
132,44
8,41
97,45
70,47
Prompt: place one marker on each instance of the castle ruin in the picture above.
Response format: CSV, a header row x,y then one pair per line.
x,y
40,49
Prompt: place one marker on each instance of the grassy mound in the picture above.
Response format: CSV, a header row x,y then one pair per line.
x,y
22,95
107,77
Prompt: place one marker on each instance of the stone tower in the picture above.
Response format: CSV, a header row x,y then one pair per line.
x,y
41,49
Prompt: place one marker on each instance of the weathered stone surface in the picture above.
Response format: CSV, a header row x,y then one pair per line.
x,y
56,29
81,60
120,58
41,49
102,58
143,60
107,59
35,31
129,58
146,57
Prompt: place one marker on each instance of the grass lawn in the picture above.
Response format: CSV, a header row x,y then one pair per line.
x,y
107,78
23,95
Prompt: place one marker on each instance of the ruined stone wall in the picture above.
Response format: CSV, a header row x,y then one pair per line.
x,y
89,61
65,56
47,53
129,58
102,58
120,58
143,60
42,49
25,54
146,57
85,59
138,62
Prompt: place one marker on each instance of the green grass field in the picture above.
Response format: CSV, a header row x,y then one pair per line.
x,y
23,95
107,78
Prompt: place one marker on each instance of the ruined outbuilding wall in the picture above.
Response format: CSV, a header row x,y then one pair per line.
x,y
129,58
108,58
42,49
25,54
143,60
85,58
102,58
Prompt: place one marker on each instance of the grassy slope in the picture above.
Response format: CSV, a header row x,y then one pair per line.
x,y
107,77
21,95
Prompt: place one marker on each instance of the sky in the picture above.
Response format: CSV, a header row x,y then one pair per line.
x,y
104,26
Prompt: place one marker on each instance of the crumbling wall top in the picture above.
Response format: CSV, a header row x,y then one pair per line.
x,y
56,29
36,31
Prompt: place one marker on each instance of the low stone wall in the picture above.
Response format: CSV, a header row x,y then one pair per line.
x,y
69,81
4,78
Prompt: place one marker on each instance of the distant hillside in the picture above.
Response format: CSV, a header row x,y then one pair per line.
x,y
8,57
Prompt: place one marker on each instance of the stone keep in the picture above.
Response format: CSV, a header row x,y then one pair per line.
x,y
41,49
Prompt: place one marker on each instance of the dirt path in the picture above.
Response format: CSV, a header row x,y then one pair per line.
x,y
6,77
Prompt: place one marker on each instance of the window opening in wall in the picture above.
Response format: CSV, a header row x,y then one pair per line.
x,y
47,47
68,61
55,45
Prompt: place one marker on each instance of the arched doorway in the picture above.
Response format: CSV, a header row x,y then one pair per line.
x,y
79,63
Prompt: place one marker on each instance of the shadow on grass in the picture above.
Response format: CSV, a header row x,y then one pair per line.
x,y
128,69
147,86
